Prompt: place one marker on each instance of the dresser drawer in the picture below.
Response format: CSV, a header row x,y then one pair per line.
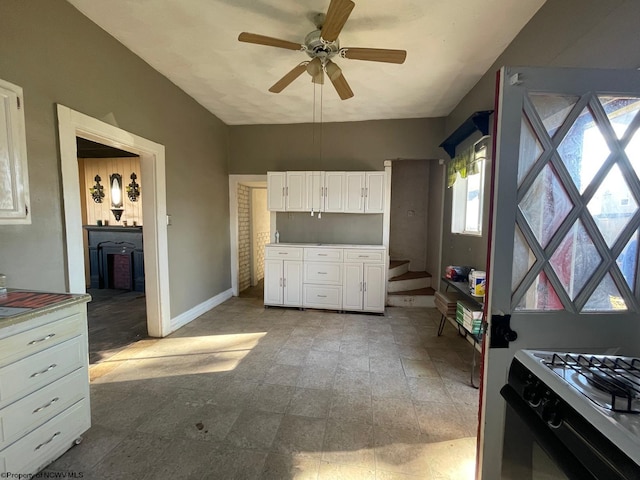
x,y
28,413
366,256
322,296
283,253
323,254
29,374
40,447
323,273
25,343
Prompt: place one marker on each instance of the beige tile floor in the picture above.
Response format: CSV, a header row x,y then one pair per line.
x,y
246,392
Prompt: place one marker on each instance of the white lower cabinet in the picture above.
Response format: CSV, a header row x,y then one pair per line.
x,y
44,385
325,277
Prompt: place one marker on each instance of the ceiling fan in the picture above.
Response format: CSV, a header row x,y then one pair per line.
x,y
322,45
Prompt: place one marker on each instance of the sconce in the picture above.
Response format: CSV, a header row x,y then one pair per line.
x,y
133,189
97,191
116,195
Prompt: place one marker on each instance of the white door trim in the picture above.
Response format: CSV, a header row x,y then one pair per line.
x,y
234,181
72,124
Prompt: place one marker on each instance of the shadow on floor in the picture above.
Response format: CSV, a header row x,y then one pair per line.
x,y
117,319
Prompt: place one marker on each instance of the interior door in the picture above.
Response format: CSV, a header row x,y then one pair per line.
x,y
563,260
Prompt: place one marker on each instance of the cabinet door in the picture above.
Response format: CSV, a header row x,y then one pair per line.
x,y
292,283
273,275
334,191
374,192
14,178
354,192
276,186
374,283
295,190
353,286
315,192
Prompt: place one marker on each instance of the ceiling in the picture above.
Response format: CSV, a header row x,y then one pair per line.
x,y
450,44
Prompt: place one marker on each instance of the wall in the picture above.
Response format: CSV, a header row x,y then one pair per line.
x,y
104,167
260,231
409,212
349,228
244,237
59,56
435,224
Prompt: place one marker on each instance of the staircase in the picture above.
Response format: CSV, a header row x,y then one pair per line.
x,y
408,289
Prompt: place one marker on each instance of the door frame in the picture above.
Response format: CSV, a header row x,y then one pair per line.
x,y
72,124
250,181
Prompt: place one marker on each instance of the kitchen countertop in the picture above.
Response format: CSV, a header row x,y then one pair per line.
x,y
17,305
330,245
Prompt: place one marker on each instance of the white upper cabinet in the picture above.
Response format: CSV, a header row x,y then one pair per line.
x,y
276,188
334,189
354,192
295,192
14,176
315,192
374,192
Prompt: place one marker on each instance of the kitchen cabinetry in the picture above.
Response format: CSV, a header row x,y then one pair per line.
x,y
364,281
334,277
283,276
364,192
14,175
333,192
44,380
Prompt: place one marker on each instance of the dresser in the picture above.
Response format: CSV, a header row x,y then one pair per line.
x,y
44,379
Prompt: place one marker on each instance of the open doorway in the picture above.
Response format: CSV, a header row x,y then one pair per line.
x,y
111,209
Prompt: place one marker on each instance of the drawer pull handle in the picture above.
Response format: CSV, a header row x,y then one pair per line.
x,y
322,296
322,273
47,442
39,409
363,256
322,254
47,337
48,369
283,253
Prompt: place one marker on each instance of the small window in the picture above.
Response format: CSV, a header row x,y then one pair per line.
x,y
468,194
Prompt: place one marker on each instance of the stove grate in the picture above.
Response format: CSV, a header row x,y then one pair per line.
x,y
618,377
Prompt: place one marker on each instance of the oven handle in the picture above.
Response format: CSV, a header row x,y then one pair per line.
x,y
549,442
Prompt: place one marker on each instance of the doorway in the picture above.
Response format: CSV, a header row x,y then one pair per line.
x,y
74,124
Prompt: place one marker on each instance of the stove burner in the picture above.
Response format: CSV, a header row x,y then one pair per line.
x,y
611,382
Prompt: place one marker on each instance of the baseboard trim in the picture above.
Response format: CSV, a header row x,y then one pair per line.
x,y
190,315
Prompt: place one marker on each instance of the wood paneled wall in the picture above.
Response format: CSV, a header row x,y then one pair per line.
x,y
89,168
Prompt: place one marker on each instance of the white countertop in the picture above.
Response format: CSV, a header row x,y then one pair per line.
x,y
327,245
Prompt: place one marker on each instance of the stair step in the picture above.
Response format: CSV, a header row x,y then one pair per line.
x,y
398,267
419,291
422,297
409,281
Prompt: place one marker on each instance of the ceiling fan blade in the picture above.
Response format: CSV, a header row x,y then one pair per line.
x,y
268,41
339,82
337,15
374,54
288,78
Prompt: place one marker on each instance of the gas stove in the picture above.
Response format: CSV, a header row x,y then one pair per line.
x,y
604,390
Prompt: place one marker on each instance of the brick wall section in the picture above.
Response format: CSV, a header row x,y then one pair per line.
x,y
244,238
262,238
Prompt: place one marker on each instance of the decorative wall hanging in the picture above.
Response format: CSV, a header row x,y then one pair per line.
x,y
97,191
115,181
133,189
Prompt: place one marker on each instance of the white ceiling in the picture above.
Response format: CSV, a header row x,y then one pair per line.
x,y
450,44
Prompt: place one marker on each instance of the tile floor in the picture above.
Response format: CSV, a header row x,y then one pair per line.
x,y
246,392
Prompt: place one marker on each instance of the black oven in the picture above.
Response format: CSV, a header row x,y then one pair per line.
x,y
549,436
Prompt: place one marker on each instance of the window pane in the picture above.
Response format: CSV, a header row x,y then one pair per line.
x,y
472,223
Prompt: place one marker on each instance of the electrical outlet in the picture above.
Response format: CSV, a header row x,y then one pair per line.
x,y
168,219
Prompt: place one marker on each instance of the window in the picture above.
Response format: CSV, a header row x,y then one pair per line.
x,y
468,193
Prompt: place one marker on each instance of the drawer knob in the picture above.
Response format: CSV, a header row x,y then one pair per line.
x,y
46,337
39,409
48,369
47,442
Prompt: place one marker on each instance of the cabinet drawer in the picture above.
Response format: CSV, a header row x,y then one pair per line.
x,y
366,256
26,414
283,253
323,273
323,296
25,343
323,254
29,374
40,447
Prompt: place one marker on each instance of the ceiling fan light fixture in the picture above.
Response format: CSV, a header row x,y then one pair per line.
x,y
333,70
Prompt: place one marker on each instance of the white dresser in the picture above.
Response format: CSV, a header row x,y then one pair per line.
x,y
334,277
44,379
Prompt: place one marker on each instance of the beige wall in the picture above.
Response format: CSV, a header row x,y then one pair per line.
x,y
58,56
